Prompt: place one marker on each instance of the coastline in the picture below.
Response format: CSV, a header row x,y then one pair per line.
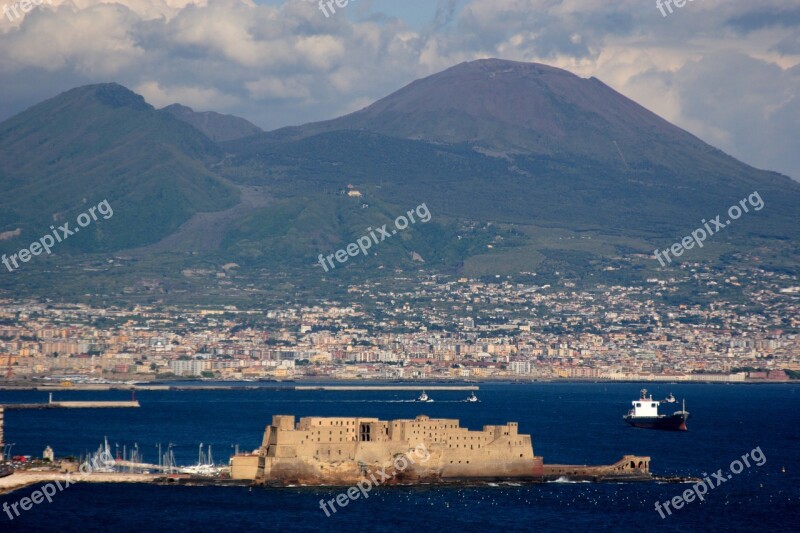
x,y
376,384
21,479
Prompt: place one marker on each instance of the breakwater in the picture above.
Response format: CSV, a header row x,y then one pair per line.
x,y
386,387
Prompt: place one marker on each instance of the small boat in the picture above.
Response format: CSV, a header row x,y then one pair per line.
x,y
645,415
472,398
424,398
670,398
205,465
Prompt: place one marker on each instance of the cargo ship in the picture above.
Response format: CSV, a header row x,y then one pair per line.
x,y
645,415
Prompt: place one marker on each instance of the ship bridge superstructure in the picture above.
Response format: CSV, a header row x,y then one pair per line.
x,y
645,405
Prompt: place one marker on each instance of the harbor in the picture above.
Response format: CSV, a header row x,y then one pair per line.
x,y
50,404
388,387
577,430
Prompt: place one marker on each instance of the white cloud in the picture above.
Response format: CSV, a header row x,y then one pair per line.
x,y
198,98
272,87
727,70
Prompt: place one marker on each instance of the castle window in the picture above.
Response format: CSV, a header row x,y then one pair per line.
x,y
365,436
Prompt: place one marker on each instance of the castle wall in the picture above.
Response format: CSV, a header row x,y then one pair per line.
x,y
244,466
344,450
630,466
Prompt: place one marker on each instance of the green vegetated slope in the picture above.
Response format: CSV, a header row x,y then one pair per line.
x,y
603,208
104,142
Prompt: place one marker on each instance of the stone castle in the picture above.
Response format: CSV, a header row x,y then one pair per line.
x,y
342,451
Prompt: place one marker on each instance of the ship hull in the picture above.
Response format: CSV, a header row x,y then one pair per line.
x,y
676,422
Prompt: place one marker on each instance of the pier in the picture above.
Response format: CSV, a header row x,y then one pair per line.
x,y
91,404
72,405
50,404
387,387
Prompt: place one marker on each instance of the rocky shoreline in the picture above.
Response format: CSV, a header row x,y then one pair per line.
x,y
20,480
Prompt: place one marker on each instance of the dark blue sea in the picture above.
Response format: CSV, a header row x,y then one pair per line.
x,y
569,423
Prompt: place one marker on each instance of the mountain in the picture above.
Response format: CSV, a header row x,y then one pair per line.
x,y
512,107
523,167
571,168
104,142
215,126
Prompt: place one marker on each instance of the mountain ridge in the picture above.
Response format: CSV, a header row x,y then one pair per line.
x,y
535,103
104,141
521,165
215,126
